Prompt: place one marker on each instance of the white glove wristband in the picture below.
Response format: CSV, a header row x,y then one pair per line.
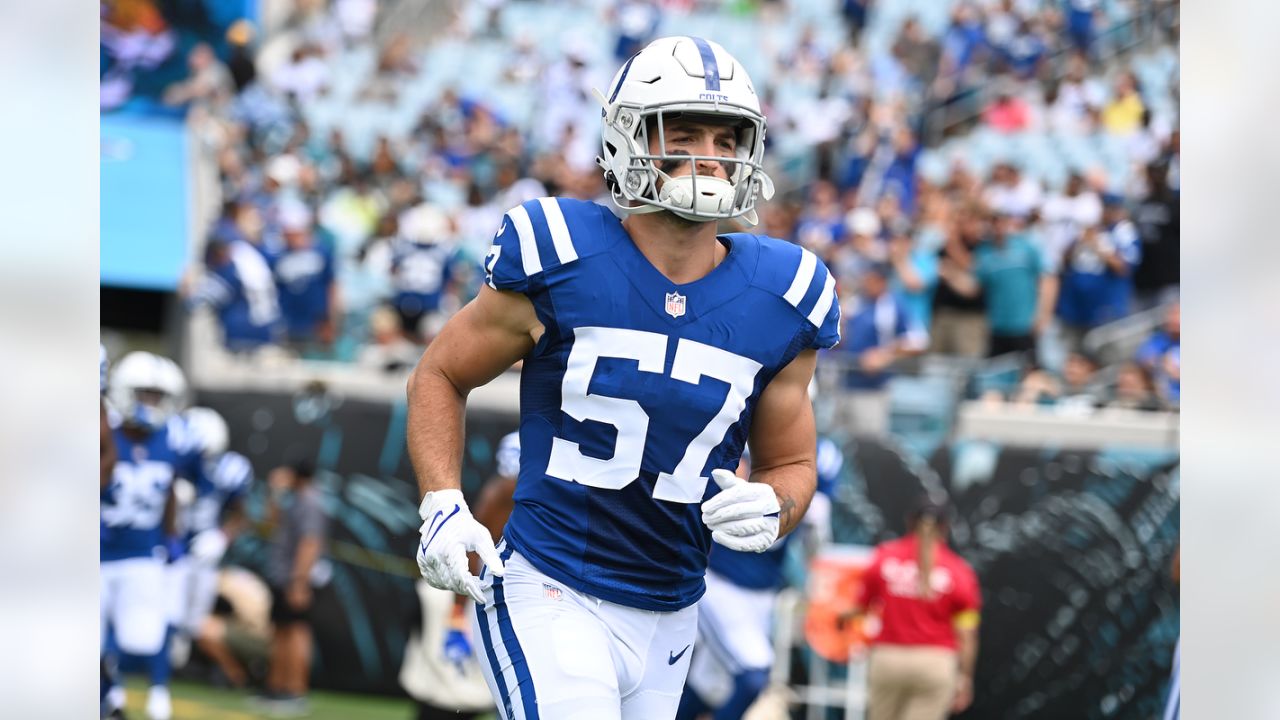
x,y
448,532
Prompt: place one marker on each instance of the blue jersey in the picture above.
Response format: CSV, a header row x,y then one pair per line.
x,y
763,571
133,504
637,389
225,479
303,279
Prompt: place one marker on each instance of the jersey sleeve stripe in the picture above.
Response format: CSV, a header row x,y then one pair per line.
x,y
559,230
528,242
828,295
804,275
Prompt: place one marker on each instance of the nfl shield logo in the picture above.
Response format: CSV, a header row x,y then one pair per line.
x,y
675,304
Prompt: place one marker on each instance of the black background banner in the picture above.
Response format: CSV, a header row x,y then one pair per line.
x,y
1072,549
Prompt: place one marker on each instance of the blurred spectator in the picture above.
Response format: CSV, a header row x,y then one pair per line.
x,y
1009,271
914,278
421,269
1026,51
1161,355
900,176
1008,113
877,332
920,53
1080,23
1134,389
297,542
388,349
1063,215
922,660
959,320
209,81
305,280
823,223
1076,390
1123,115
236,636
1097,276
1012,193
637,24
237,285
855,16
240,54
1158,219
304,77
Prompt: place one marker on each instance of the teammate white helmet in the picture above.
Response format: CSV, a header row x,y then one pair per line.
x,y
208,431
508,455
146,389
672,77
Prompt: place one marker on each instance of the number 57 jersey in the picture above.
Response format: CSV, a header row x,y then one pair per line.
x,y
638,389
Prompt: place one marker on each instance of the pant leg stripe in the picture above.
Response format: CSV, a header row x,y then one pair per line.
x,y
528,694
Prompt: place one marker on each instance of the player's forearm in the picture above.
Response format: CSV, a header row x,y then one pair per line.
x,y
967,650
305,559
435,429
794,484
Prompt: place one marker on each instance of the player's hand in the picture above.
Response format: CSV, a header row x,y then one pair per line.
x,y
743,516
448,533
208,546
457,648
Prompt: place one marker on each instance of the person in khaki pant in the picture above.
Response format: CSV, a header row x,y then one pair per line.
x,y
921,662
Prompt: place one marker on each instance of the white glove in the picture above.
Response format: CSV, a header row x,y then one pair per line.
x,y
208,546
448,532
743,516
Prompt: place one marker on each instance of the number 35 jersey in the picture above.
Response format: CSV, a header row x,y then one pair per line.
x,y
638,389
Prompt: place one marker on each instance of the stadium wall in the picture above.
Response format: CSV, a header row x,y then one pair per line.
x,y
1072,547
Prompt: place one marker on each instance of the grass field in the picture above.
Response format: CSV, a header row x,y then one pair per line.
x,y
201,702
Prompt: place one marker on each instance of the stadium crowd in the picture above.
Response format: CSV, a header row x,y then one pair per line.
x,y
995,175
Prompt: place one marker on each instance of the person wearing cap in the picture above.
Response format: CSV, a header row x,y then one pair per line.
x,y
304,275
921,662
879,330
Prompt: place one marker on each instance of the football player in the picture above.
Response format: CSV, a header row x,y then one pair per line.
x,y
211,514
138,514
652,350
734,653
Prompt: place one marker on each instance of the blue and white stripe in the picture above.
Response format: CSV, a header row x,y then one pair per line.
x,y
802,288
542,239
510,670
710,68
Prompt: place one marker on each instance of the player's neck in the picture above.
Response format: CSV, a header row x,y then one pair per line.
x,y
682,251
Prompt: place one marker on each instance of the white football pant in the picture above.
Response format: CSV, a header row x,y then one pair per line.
x,y
133,604
734,629
552,652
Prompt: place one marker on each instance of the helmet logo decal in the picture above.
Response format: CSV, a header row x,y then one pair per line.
x,y
623,78
675,304
710,69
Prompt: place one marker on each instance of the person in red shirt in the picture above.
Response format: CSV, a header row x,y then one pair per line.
x,y
921,661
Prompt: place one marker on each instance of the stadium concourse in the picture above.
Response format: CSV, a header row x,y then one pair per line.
x,y
313,186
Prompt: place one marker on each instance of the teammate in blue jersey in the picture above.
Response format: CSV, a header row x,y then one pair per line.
x,y
734,653
210,515
653,351
138,513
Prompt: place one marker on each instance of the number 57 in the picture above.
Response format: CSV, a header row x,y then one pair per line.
x,y
693,360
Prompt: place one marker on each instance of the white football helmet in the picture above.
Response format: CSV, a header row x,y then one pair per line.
x,y
208,431
671,77
508,455
146,389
